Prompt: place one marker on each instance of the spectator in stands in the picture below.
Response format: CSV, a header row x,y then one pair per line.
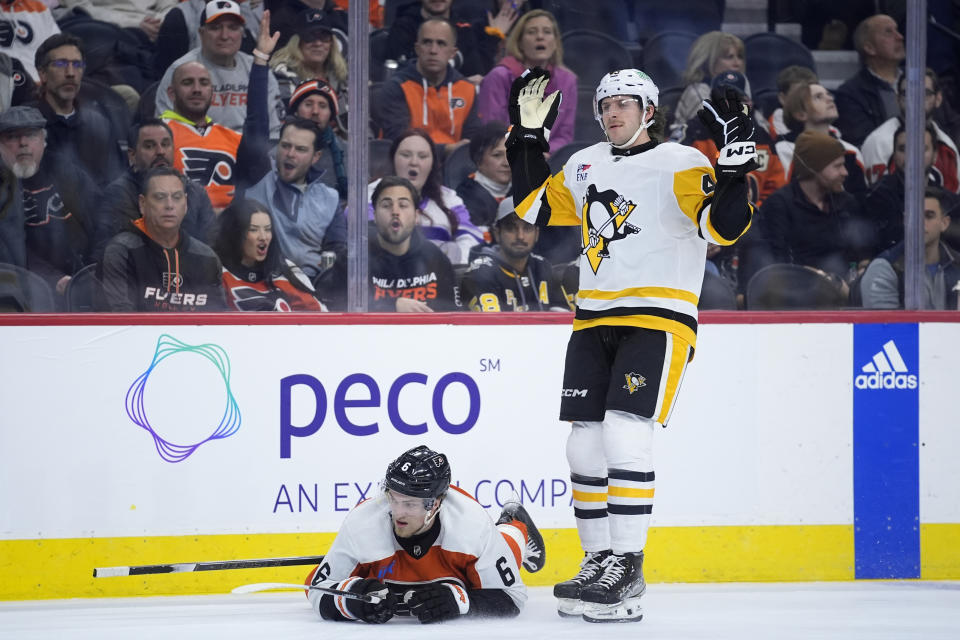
x,y
140,15
812,221
210,154
428,93
483,190
868,99
256,275
16,85
150,145
24,25
878,148
13,238
63,227
442,215
77,131
407,273
221,33
155,265
787,79
479,41
508,276
810,107
711,54
884,203
304,210
316,101
180,30
287,15
882,284
769,174
313,53
534,42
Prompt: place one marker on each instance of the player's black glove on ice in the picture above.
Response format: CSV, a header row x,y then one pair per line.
x,y
731,125
438,601
374,613
531,115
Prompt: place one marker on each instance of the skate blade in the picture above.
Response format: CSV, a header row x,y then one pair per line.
x,y
569,608
627,611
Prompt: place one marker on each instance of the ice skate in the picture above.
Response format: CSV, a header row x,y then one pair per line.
x,y
535,553
615,595
568,593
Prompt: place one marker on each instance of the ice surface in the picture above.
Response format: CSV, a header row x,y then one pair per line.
x,y
811,611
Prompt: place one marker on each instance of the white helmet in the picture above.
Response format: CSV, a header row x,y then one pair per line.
x,y
626,82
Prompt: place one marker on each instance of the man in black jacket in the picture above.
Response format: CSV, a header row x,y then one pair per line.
x,y
156,266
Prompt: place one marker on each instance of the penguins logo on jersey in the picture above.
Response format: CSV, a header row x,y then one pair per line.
x,y
604,220
206,167
634,382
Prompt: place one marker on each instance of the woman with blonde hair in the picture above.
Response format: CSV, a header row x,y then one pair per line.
x,y
314,52
534,41
712,53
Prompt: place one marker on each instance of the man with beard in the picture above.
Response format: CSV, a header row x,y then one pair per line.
x,y
150,145
508,276
63,230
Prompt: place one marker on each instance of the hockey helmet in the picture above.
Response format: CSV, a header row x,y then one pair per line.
x,y
419,473
625,82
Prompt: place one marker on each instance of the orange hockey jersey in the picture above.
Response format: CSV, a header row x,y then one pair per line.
x,y
206,155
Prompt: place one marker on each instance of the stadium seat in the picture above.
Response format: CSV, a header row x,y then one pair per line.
x,y
592,54
792,286
393,7
697,16
24,291
765,101
665,57
768,54
379,162
378,55
83,290
112,54
668,101
610,17
560,157
457,166
585,127
148,103
716,293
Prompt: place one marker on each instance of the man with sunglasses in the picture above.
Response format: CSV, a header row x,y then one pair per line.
x,y
78,130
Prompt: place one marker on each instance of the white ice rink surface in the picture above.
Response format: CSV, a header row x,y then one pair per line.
x,y
808,611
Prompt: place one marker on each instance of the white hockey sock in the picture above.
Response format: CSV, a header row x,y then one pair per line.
x,y
588,476
628,444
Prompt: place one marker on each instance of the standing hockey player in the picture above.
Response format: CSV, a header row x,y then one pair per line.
x,y
646,210
426,562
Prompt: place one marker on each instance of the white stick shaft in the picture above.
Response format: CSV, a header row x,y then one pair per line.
x,y
272,586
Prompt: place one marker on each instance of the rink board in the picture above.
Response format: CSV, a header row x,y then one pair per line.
x,y
137,444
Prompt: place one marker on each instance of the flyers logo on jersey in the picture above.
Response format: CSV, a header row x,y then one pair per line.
x,y
207,167
15,29
604,220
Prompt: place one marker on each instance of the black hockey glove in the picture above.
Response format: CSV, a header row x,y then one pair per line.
x,y
437,602
374,613
531,115
731,125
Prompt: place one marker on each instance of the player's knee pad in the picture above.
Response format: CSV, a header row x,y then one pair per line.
x,y
627,441
585,450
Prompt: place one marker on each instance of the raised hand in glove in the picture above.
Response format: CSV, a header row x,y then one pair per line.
x,y
372,612
437,601
532,115
731,125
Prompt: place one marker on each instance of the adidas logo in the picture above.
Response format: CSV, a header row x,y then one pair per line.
x,y
887,370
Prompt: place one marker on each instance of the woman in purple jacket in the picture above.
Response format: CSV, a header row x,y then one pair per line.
x,y
534,41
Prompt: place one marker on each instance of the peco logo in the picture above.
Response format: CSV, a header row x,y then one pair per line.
x,y
886,370
359,391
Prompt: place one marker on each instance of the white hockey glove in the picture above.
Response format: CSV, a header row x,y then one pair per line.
x,y
532,115
730,123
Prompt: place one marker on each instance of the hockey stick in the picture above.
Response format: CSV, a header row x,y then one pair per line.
x,y
269,586
186,567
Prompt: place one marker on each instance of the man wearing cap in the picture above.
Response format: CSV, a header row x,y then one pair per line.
x,y
316,101
207,152
508,276
304,210
812,221
809,106
63,228
769,174
221,33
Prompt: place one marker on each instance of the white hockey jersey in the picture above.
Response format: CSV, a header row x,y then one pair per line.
x,y
469,551
645,223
